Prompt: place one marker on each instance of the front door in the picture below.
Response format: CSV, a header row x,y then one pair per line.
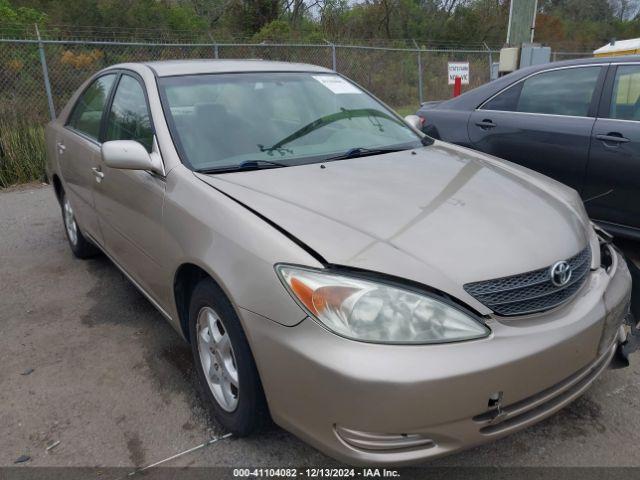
x,y
613,174
129,202
543,122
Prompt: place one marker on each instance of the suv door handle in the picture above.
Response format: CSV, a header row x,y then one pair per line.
x,y
61,147
612,137
99,174
486,124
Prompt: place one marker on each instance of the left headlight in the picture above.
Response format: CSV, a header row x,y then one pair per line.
x,y
375,312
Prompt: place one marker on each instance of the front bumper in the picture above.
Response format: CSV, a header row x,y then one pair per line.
x,y
397,405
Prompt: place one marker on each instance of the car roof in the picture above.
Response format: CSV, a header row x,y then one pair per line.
x,y
590,60
168,68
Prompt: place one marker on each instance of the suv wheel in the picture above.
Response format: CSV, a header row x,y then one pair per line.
x,y
225,367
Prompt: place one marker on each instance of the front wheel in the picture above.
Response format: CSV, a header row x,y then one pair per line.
x,y
225,367
80,246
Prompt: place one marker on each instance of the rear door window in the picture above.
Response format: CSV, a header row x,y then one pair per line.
x,y
625,103
87,112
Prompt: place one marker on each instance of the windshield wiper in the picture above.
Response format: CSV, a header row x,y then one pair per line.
x,y
244,166
261,164
362,152
343,114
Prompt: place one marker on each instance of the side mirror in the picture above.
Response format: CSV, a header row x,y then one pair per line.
x,y
414,121
127,155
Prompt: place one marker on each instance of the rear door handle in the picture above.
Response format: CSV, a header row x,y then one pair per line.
x,y
612,137
61,147
486,124
99,174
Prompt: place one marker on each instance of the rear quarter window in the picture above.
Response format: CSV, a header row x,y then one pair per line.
x,y
505,101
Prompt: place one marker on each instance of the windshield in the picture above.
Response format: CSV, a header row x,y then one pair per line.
x,y
222,121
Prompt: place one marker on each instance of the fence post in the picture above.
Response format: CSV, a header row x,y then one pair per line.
x,y
334,61
45,75
215,46
420,79
490,59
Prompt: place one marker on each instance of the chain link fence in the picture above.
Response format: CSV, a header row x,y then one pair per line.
x,y
38,76
400,77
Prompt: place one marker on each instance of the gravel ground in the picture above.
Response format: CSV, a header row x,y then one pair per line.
x,y
114,384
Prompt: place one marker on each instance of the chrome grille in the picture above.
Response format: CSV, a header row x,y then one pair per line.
x,y
530,292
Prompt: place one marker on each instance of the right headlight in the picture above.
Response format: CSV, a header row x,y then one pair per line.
x,y
376,312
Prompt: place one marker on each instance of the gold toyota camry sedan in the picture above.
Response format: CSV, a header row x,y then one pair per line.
x,y
386,297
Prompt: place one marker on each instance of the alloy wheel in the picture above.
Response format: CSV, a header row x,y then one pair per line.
x,y
70,222
217,359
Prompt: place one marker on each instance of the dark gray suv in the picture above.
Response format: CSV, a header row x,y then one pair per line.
x,y
576,121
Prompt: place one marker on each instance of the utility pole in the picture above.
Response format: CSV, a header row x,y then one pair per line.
x,y
522,22
533,22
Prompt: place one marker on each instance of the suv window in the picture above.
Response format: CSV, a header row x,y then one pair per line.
x,y
625,103
87,112
559,92
129,117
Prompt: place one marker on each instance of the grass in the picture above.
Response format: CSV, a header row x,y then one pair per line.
x,y
22,152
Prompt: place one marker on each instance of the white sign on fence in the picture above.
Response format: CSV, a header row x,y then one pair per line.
x,y
459,69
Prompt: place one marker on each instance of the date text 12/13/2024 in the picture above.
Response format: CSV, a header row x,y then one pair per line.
x,y
315,472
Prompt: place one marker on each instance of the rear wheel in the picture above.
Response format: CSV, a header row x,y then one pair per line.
x,y
225,367
80,246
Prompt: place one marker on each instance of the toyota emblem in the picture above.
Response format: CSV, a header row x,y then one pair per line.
x,y
560,273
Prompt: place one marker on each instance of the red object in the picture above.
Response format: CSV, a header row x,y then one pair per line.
x,y
457,87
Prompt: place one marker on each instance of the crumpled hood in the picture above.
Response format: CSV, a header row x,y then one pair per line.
x,y
442,215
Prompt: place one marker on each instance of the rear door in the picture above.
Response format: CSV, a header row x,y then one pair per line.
x,y
78,150
613,173
543,122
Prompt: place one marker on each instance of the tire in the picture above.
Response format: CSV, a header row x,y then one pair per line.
x,y
80,246
227,374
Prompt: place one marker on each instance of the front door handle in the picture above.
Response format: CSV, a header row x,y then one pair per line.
x,y
486,124
99,174
61,147
612,137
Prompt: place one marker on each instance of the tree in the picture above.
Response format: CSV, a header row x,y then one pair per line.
x,y
210,10
549,29
625,9
578,10
19,16
276,31
574,24
247,17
